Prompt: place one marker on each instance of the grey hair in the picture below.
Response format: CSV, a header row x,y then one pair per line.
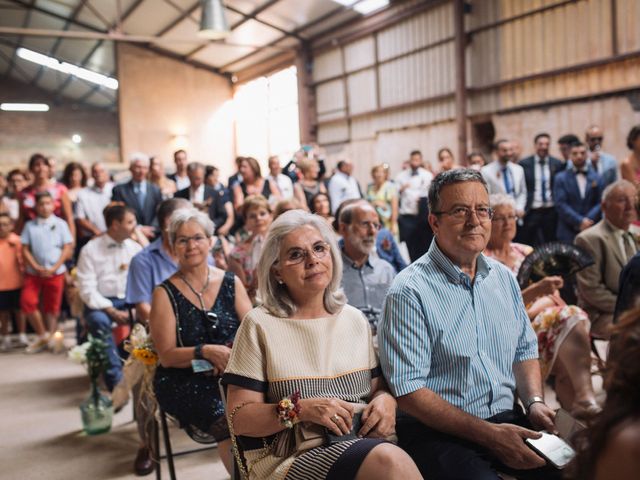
x,y
186,215
502,199
139,157
346,213
193,166
615,185
450,177
274,296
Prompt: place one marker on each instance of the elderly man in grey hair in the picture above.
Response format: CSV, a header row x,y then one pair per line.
x,y
611,245
365,277
139,194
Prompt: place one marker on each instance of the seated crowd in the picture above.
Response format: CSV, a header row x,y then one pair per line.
x,y
339,355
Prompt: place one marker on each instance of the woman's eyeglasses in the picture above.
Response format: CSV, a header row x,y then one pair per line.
x,y
182,242
504,218
298,255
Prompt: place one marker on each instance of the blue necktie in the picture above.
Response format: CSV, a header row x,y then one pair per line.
x,y
507,181
140,194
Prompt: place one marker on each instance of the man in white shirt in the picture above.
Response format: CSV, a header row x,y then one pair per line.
x,y
283,182
342,185
504,176
206,199
92,202
539,222
180,177
413,183
102,279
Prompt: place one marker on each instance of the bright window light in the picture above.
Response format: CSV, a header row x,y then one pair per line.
x,y
24,107
68,68
365,6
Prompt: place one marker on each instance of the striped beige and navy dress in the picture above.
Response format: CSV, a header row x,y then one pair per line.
x,y
322,357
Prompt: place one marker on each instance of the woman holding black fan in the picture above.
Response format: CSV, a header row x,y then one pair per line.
x,y
562,330
195,314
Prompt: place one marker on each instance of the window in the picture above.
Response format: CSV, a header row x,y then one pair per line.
x,y
266,116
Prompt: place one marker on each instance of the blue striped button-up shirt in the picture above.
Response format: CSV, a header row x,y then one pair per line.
x,y
457,337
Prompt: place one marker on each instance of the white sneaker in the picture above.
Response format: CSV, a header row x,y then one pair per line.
x,y
38,346
23,340
6,344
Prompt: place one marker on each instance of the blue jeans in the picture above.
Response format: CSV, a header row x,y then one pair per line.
x,y
100,325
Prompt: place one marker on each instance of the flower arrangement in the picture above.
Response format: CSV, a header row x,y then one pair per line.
x,y
141,347
97,410
92,354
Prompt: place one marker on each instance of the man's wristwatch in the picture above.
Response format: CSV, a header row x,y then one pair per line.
x,y
531,401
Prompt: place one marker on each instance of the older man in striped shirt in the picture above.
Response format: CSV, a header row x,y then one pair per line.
x,y
456,348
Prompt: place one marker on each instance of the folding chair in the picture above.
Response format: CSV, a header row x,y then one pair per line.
x,y
168,450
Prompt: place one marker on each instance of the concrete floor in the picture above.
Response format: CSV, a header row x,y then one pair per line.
x,y
41,433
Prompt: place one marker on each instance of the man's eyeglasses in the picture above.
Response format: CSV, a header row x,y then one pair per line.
x,y
297,255
182,242
368,225
464,213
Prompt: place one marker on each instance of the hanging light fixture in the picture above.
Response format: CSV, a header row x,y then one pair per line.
x,y
213,22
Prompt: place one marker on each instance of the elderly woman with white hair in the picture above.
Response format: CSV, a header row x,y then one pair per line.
x,y
562,330
305,395
195,314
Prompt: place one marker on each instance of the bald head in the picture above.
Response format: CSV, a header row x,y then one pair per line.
x,y
594,137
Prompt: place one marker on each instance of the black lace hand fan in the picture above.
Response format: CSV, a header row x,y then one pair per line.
x,y
552,258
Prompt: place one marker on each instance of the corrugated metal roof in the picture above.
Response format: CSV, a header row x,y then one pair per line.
x,y
260,30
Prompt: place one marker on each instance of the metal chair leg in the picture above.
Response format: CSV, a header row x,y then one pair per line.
x,y
156,448
167,445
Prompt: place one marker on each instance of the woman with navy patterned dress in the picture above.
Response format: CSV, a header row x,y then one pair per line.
x,y
195,314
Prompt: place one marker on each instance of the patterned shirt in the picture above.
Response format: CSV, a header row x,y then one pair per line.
x,y
456,336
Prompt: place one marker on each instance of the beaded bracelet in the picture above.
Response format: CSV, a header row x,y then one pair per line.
x,y
288,410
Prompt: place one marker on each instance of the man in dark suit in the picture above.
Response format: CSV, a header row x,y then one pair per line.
x,y
539,223
577,192
205,198
180,177
139,194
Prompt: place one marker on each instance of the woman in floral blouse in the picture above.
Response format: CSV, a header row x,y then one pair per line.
x,y
562,330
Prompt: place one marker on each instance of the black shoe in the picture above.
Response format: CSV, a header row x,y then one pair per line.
x,y
143,465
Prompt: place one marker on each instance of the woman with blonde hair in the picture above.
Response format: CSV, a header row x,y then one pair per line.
x,y
158,178
309,185
383,195
305,395
244,257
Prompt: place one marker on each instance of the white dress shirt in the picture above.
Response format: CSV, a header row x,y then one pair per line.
x,y
539,173
182,182
91,203
102,270
284,184
494,177
582,183
197,196
342,187
419,182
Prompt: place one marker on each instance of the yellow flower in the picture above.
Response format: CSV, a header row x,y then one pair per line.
x,y
147,357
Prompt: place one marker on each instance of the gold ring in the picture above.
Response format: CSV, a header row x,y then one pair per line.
x,y
335,418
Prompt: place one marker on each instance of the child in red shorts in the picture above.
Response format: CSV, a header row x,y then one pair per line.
x,y
10,278
46,245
